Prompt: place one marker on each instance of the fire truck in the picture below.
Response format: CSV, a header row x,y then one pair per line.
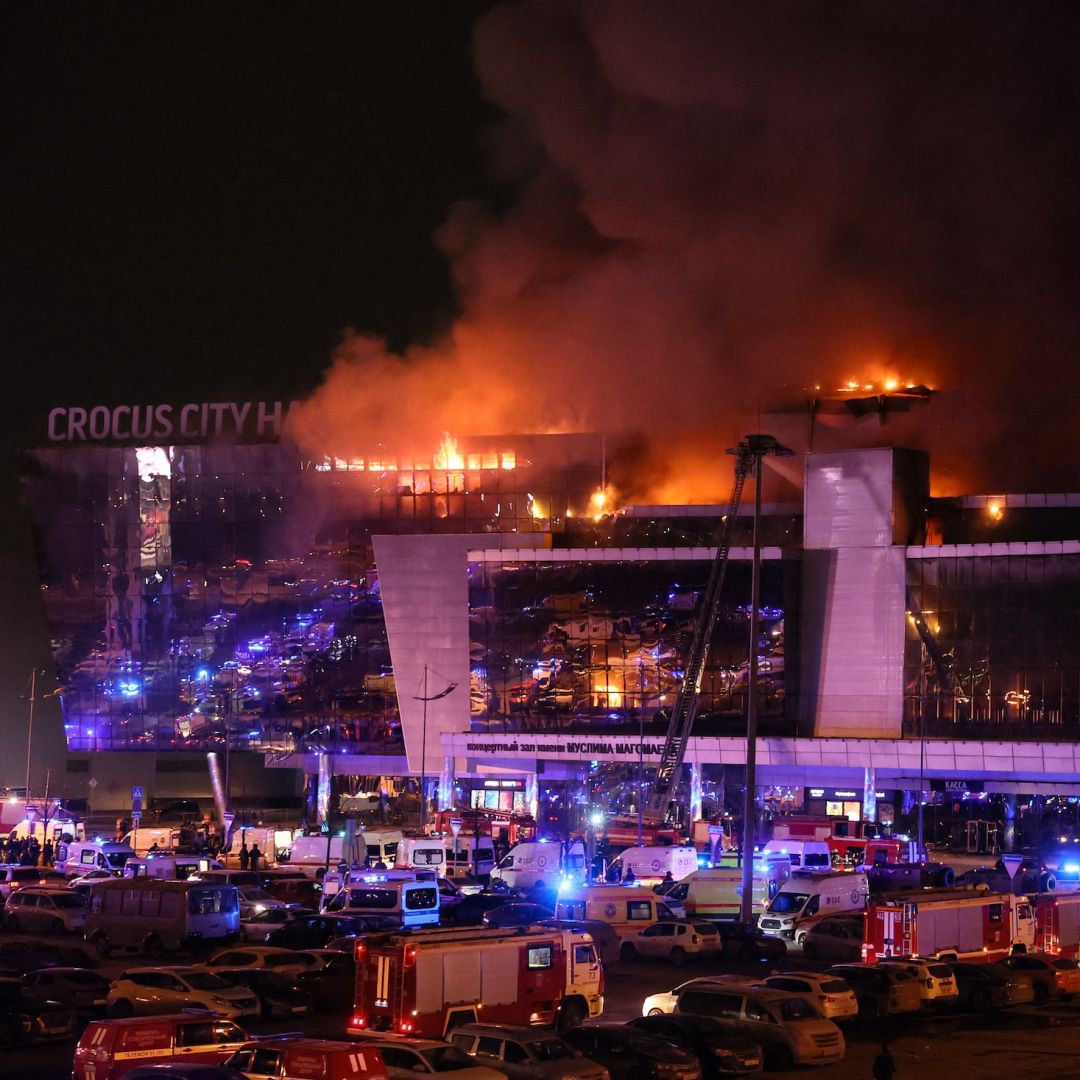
x,y
498,824
960,924
856,849
1057,923
427,982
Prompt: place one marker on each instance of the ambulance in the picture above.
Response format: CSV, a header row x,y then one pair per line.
x,y
535,861
651,865
625,908
807,895
716,893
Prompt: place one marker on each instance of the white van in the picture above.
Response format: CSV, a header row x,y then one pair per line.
x,y
651,865
382,844
83,856
56,829
469,856
421,853
269,841
625,908
716,893
142,840
533,861
395,893
804,854
169,867
311,854
808,894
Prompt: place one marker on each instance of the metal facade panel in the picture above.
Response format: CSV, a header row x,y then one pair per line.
x,y
849,499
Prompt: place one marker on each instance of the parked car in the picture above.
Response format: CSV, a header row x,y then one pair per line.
x,y
150,990
935,980
516,914
830,994
470,910
718,1051
55,909
628,1053
25,1018
743,942
1051,976
18,877
790,1030
836,937
181,1070
292,1057
85,991
255,927
525,1053
288,961
992,986
674,941
278,994
21,955
406,1058
332,986
880,990
253,900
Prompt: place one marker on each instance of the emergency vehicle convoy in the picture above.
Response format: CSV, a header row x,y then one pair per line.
x,y
428,981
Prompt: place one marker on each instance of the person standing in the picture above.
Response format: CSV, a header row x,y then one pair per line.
x,y
47,853
254,857
245,856
884,1064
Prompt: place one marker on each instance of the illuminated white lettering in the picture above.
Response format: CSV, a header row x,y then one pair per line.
x,y
239,414
163,417
218,409
271,420
76,423
117,413
185,412
146,412
55,434
100,421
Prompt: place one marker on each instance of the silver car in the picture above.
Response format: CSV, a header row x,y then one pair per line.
x,y
525,1053
39,907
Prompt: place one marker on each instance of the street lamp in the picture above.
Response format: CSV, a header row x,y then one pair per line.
x,y
757,447
425,698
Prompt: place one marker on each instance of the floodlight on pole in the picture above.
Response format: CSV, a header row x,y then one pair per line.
x,y
425,698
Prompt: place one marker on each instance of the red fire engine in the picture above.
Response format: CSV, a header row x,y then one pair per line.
x,y
847,851
968,924
426,982
1057,923
498,824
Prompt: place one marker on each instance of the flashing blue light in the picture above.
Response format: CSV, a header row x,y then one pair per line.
x,y
1071,868
202,674
130,688
543,840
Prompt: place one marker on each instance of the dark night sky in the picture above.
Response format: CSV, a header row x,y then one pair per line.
x,y
194,206
677,210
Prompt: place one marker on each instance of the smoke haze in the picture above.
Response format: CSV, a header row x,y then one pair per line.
x,y
720,206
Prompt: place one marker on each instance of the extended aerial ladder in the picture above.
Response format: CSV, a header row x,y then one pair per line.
x,y
681,723
944,663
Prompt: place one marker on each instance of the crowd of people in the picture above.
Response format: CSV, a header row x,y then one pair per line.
x,y
28,851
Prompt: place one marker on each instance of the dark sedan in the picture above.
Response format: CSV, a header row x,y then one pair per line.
x,y
25,1018
83,990
629,1054
991,986
719,1052
470,910
278,994
516,914
333,987
743,942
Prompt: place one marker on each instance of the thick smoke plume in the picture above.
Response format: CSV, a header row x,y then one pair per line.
x,y
722,206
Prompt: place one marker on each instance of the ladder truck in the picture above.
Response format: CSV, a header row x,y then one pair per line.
x,y
669,771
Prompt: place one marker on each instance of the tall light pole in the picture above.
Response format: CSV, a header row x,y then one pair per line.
x,y
758,446
425,698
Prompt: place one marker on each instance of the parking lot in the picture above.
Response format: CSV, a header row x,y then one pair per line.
x,y
1025,1042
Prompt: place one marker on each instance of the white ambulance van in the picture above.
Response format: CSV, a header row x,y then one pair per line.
x,y
807,895
651,865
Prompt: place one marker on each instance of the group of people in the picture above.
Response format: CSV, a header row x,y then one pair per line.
x,y
28,851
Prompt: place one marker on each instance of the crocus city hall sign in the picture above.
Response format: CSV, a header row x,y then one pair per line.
x,y
164,423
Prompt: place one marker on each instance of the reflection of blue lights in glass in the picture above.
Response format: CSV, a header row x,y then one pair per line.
x,y
202,674
130,688
257,646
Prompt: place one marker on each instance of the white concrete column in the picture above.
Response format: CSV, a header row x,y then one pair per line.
x,y
326,776
695,792
446,785
869,799
532,795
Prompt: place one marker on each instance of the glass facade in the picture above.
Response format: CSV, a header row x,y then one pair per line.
x,y
587,645
1005,629
198,595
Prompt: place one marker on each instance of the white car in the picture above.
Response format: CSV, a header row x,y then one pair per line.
x,y
936,981
16,877
255,927
288,961
151,991
832,996
256,901
674,941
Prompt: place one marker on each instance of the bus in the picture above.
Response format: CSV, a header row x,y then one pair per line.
x,y
151,915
